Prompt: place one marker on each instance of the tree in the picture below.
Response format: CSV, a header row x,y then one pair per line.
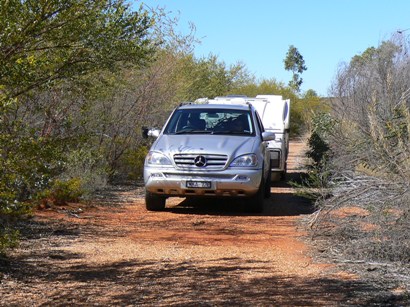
x,y
46,41
210,77
48,51
294,62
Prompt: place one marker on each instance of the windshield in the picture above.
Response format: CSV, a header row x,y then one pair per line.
x,y
210,121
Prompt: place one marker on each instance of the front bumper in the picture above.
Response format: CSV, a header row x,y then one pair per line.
x,y
231,182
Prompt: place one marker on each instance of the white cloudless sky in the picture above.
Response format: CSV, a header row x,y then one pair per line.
x,y
258,33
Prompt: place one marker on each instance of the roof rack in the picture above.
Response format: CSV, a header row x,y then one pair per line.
x,y
236,96
185,103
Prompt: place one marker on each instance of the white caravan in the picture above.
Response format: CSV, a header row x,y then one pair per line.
x,y
275,114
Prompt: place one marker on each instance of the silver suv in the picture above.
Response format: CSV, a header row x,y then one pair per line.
x,y
214,150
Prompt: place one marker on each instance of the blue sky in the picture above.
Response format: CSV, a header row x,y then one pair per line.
x,y
258,33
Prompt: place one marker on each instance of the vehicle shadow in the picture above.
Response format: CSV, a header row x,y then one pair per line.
x,y
283,201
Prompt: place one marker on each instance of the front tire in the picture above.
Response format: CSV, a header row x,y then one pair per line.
x,y
255,203
154,202
268,184
283,174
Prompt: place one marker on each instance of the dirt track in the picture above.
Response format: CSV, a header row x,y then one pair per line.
x,y
115,253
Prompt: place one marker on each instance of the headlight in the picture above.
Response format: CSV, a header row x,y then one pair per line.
x,y
245,161
157,158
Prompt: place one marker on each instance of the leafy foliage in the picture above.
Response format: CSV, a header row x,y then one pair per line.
x,y
294,62
318,182
319,148
62,192
46,41
8,239
78,80
48,51
134,161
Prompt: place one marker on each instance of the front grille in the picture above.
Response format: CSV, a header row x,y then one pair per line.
x,y
214,162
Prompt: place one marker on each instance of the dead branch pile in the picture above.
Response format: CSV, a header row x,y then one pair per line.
x,y
370,155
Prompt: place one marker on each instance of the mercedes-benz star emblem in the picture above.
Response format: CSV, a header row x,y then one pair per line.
x,y
200,161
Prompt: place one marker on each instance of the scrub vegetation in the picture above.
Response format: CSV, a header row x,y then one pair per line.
x,y
78,81
80,78
360,153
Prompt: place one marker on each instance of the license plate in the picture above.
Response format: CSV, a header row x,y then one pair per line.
x,y
198,184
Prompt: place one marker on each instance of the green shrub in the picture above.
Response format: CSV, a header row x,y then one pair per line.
x,y
318,182
134,162
11,210
8,239
319,150
63,192
88,166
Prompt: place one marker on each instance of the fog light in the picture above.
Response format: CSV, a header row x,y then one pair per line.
x,y
242,178
156,175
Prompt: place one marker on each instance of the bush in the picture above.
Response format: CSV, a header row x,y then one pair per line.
x,y
85,170
318,142
317,184
8,239
134,162
63,192
370,156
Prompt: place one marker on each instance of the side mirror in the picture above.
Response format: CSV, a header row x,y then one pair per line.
x,y
146,132
268,136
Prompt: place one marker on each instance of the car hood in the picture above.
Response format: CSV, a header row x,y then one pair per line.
x,y
232,146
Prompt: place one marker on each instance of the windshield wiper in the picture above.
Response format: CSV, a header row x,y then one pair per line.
x,y
241,132
193,132
231,132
